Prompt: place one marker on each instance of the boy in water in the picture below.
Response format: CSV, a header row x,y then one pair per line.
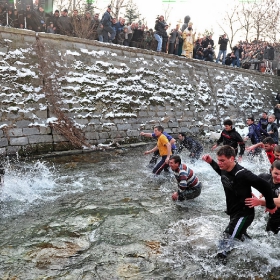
x,y
188,184
231,137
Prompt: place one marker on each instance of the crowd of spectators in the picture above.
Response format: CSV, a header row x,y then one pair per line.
x,y
106,28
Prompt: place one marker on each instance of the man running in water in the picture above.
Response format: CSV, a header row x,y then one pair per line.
x,y
2,172
273,179
192,145
231,137
188,184
237,182
164,148
156,155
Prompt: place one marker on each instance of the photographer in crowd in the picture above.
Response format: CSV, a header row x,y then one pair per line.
x,y
208,53
223,41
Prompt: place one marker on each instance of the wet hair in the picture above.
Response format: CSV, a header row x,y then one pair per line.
x,y
268,140
228,122
183,134
276,149
226,151
176,159
275,164
159,128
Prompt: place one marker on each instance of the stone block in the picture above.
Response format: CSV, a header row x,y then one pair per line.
x,y
44,130
19,141
92,135
116,134
41,114
3,142
11,150
142,114
132,133
124,126
173,124
15,132
30,131
36,139
58,138
23,123
3,151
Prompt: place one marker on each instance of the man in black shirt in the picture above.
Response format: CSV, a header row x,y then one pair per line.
x,y
273,179
231,137
237,182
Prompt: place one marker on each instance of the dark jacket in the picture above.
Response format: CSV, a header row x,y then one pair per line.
x,y
65,25
255,133
159,27
223,43
237,186
233,139
106,19
277,112
192,145
274,219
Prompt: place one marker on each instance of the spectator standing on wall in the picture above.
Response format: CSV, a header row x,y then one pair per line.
x,y
107,26
174,34
238,54
223,41
54,19
160,30
164,39
277,113
64,24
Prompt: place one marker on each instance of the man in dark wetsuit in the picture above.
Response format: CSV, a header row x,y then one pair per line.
x,y
188,184
192,145
231,137
237,182
273,179
156,155
2,172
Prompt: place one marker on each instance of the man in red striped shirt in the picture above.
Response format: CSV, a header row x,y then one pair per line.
x,y
188,184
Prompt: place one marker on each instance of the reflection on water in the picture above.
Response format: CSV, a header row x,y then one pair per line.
x,y
102,215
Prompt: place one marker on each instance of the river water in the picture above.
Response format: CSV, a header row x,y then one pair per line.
x,y
102,215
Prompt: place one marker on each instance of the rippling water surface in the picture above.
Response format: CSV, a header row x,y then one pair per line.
x,y
102,215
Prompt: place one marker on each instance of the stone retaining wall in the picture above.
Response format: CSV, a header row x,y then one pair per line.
x,y
112,92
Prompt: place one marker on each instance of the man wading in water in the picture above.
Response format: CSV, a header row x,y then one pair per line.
x,y
237,182
2,172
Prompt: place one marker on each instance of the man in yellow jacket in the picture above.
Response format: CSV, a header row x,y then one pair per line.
x,y
164,148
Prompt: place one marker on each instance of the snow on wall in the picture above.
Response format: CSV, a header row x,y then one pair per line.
x,y
129,89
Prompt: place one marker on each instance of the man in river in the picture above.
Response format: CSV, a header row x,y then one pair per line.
x,y
2,172
273,178
237,182
192,145
231,137
164,148
156,155
189,186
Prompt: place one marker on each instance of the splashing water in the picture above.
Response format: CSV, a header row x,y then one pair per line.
x,y
105,216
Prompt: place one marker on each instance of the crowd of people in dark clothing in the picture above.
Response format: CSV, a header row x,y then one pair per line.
x,y
106,28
